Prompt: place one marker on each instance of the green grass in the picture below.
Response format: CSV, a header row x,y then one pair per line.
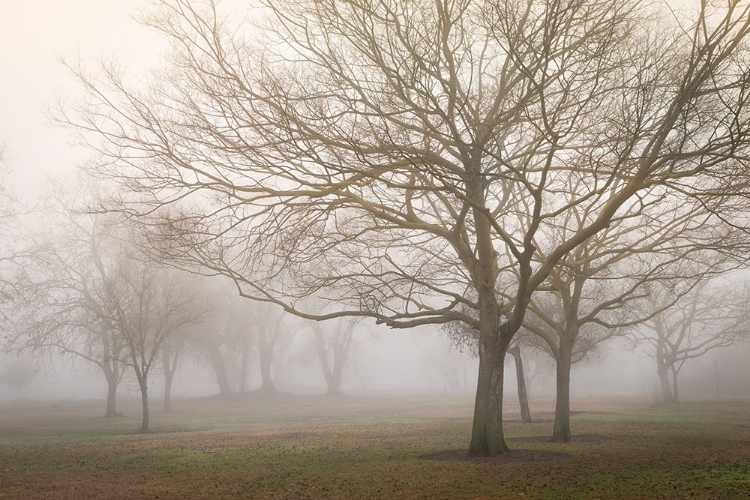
x,y
370,448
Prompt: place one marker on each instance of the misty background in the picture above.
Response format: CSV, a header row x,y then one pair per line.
x,y
383,360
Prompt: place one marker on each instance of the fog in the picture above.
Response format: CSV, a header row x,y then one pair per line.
x,y
395,226
396,361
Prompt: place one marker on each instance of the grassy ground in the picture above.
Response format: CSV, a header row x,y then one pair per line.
x,y
374,447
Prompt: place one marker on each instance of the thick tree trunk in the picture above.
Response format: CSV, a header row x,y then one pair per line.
x,y
561,430
220,369
487,430
675,387
144,402
523,397
494,339
112,384
168,391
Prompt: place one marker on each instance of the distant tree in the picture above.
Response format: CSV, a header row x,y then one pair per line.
x,y
268,322
712,315
225,338
60,303
171,355
211,346
151,306
333,343
18,374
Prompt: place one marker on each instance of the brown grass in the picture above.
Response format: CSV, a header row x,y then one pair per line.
x,y
370,447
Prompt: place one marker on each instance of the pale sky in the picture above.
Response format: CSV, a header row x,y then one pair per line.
x,y
34,35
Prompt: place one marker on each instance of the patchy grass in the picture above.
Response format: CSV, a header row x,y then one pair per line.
x,y
314,447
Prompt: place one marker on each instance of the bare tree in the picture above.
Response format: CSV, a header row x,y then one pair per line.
x,y
594,292
61,304
393,156
523,395
151,305
212,345
171,354
18,374
267,320
711,316
333,348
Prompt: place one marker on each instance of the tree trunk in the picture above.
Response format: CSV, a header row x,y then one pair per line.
x,y
220,369
265,351
523,397
494,338
144,401
332,376
487,430
717,374
667,395
168,376
561,430
334,385
112,384
675,388
244,370
112,373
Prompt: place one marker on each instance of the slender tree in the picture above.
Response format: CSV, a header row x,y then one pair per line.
x,y
523,396
151,306
333,348
711,316
171,354
60,303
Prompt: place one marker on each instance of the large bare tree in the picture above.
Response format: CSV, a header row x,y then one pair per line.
x,y
393,155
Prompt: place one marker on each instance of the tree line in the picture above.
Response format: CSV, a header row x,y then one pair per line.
x,y
537,171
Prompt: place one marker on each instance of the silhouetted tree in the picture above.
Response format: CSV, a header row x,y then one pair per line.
x,y
333,342
60,302
712,315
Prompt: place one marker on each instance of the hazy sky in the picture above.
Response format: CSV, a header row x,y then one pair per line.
x,y
34,35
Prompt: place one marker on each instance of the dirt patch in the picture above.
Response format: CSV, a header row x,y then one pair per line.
x,y
580,438
534,421
514,457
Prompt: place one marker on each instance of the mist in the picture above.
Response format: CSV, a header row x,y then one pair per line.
x,y
374,249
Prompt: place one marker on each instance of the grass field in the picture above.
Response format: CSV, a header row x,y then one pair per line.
x,y
254,446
